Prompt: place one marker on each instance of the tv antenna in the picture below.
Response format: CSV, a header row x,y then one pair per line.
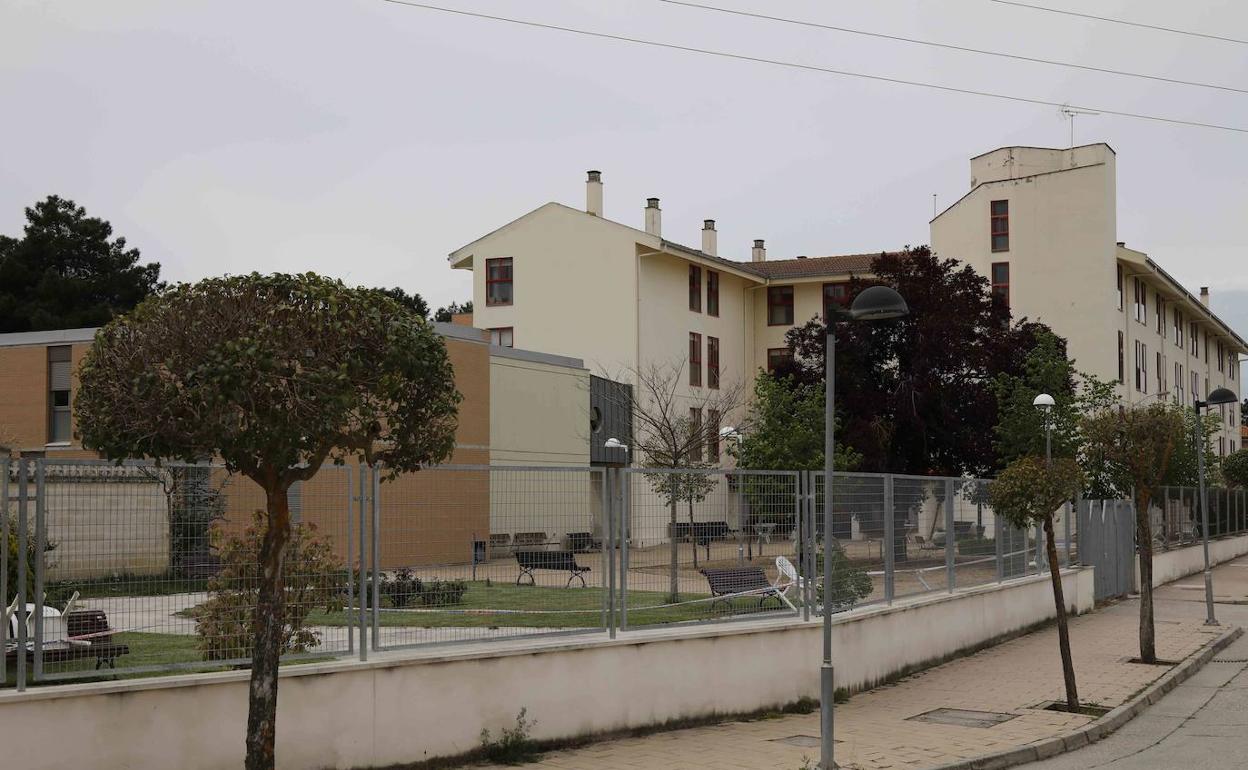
x,y
1070,113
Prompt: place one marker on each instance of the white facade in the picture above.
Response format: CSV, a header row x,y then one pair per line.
x,y
1067,269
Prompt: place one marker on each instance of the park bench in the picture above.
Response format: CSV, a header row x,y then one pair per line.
x,y
500,544
751,582
529,539
699,531
579,542
88,635
560,561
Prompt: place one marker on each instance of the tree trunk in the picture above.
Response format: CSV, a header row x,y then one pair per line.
x,y
267,624
674,592
1063,631
1144,541
693,538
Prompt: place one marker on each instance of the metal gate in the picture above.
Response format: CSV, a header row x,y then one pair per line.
x,y
1107,543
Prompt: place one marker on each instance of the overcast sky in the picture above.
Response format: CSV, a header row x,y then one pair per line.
x,y
367,140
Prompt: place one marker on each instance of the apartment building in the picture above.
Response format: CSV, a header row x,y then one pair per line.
x,y
1041,224
624,299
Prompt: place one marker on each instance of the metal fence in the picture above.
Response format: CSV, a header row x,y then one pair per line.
x,y
133,569
1176,515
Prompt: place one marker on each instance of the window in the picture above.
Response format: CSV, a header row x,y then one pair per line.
x,y
695,288
1001,281
1161,315
1178,327
1179,395
712,293
1221,446
695,359
1221,358
712,435
833,297
1141,367
1206,346
1193,336
1000,225
1195,385
712,362
695,432
498,281
1140,300
778,358
1161,374
1120,287
59,422
1232,364
1121,362
780,306
503,336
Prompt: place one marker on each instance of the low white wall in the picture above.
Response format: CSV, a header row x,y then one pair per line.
x,y
405,708
1181,562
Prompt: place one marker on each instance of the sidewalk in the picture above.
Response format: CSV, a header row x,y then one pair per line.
x,y
876,729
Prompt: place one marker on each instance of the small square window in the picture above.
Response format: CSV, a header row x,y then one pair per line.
x,y
780,306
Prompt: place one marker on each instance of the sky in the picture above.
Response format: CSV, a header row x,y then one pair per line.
x,y
366,139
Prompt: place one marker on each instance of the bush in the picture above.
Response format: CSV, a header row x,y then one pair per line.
x,y
850,584
514,745
405,589
312,577
1235,468
11,562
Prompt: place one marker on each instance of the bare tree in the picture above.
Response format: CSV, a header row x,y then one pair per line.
x,y
674,427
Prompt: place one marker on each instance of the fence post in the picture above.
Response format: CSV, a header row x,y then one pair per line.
x,y
812,543
4,564
350,578
40,540
374,490
998,535
950,544
22,548
363,617
1066,523
890,511
608,499
626,482
803,541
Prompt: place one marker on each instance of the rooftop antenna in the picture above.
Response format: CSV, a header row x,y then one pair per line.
x,y
1070,113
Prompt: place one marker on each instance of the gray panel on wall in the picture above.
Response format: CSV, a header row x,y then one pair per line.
x,y
609,414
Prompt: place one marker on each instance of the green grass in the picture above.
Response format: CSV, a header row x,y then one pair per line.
x,y
579,608
125,585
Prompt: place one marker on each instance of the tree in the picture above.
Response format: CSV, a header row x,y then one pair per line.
x,y
445,314
668,436
275,375
65,272
413,302
1235,468
786,421
916,392
1029,490
1136,446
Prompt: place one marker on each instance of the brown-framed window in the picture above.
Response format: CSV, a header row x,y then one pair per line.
x,y
712,435
1232,363
834,295
712,362
1120,287
1161,374
695,359
1121,359
1193,336
1161,316
498,288
1195,385
60,423
779,305
695,288
712,293
1221,358
503,336
1178,327
1179,396
1001,281
777,358
999,220
1141,368
695,432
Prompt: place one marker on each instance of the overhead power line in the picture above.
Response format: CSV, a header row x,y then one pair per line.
x,y
950,47
812,67
1124,22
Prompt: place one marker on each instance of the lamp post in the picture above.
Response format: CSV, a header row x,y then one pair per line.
x,y
1217,397
1044,402
877,303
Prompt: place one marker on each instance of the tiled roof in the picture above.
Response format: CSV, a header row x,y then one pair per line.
x,y
806,267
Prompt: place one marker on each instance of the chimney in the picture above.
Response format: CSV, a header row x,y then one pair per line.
x,y
759,252
710,238
593,193
654,217
1204,296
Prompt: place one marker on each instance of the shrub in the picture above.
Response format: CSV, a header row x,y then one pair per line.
x,y
514,746
402,589
1235,468
11,562
850,584
440,593
312,577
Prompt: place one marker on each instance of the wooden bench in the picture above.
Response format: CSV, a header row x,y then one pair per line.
x,y
499,544
580,542
741,582
89,637
529,539
560,561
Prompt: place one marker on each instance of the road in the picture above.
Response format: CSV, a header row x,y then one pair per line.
x,y
1203,723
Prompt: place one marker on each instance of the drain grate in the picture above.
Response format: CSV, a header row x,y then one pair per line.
x,y
803,741
963,717
1229,660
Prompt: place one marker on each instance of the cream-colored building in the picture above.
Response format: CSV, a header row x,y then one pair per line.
x,y
1041,224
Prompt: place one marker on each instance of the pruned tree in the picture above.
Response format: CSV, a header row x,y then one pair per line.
x,y
1029,490
668,435
1135,448
275,375
1235,469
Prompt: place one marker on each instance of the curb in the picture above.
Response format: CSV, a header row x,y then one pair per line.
x,y
1095,731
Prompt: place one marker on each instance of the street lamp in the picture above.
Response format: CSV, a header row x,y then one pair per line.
x,y
615,443
1216,398
1044,402
877,303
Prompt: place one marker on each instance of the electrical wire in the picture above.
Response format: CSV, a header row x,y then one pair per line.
x,y
951,47
1121,21
814,68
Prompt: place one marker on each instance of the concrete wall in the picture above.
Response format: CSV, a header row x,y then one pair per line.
x,y
1181,562
118,526
405,708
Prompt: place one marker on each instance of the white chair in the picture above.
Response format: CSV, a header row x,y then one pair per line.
x,y
787,579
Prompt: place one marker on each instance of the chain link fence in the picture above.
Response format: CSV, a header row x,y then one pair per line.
x,y
134,569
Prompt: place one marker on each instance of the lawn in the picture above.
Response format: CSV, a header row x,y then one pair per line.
x,y
544,607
